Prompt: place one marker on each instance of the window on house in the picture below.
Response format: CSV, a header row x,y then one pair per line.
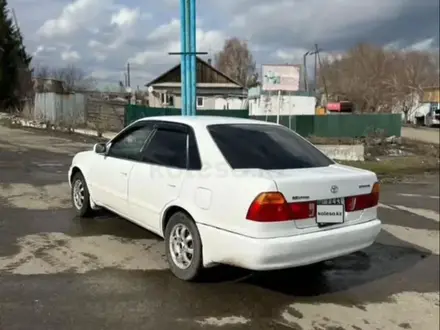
x,y
200,102
167,99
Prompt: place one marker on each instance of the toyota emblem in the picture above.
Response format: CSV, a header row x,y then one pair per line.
x,y
334,189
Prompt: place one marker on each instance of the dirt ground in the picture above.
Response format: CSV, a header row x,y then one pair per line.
x,y
61,272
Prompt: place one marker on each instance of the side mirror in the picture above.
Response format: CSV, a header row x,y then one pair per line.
x,y
100,148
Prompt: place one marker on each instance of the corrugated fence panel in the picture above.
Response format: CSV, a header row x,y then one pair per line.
x,y
224,113
44,107
59,109
288,121
72,109
340,125
350,125
305,125
357,125
135,112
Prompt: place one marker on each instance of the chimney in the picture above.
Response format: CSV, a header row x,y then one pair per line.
x,y
209,61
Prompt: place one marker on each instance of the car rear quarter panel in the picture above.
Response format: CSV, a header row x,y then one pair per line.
x,y
225,202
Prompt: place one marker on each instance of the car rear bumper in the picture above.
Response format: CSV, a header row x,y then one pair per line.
x,y
220,246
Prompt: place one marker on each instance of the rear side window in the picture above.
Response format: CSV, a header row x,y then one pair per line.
x,y
167,148
266,147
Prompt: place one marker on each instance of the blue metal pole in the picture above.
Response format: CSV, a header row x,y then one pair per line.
x,y
193,50
187,57
183,68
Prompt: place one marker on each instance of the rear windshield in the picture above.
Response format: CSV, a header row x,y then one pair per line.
x,y
266,147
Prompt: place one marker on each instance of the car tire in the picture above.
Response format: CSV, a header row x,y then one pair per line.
x,y
80,196
178,249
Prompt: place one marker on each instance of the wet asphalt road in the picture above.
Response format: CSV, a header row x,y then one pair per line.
x,y
423,134
61,272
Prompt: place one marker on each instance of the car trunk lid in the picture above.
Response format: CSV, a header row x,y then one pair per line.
x,y
327,188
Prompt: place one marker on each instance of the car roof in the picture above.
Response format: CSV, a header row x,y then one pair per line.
x,y
203,121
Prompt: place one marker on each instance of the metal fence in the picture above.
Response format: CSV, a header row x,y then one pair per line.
x,y
135,112
56,108
350,125
338,126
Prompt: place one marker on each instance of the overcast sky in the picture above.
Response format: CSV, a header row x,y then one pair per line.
x,y
101,36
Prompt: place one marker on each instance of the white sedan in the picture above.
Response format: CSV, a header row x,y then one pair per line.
x,y
229,191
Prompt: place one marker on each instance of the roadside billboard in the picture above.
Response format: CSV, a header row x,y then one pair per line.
x,y
431,94
284,78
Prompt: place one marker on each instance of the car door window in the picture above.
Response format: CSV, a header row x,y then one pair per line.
x,y
167,148
129,145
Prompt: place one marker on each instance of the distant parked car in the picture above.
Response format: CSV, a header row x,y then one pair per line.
x,y
229,191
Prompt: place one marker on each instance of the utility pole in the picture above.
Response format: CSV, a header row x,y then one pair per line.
x,y
306,83
188,56
323,79
316,66
16,25
128,75
15,18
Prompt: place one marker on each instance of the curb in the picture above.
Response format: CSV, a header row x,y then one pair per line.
x,y
88,132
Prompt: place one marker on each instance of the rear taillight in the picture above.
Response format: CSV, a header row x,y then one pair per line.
x,y
361,202
269,206
303,210
272,207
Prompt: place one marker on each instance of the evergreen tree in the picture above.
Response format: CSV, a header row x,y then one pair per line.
x,y
14,60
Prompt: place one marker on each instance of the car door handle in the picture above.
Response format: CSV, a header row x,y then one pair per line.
x,y
124,173
171,185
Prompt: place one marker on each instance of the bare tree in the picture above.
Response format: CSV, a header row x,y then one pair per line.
x,y
42,71
378,80
236,61
357,77
74,78
412,71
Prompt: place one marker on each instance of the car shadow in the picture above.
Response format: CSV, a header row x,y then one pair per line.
x,y
377,262
105,222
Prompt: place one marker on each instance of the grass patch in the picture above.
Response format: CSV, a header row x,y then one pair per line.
x,y
399,166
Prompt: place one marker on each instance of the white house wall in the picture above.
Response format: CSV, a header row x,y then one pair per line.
x,y
417,109
211,102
